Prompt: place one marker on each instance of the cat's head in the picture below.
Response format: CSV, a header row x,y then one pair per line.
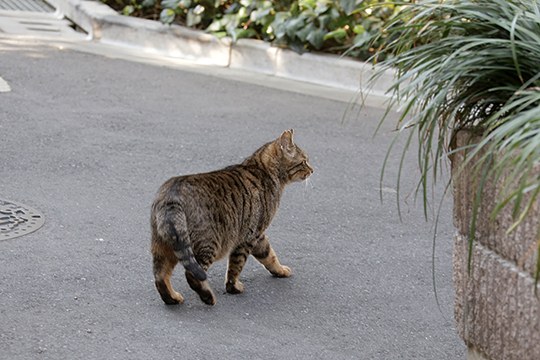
x,y
295,162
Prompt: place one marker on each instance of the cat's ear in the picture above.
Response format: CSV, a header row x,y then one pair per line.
x,y
286,142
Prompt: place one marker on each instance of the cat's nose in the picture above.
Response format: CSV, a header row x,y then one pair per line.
x,y
309,172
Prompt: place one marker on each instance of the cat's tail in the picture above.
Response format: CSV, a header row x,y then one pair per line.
x,y
174,227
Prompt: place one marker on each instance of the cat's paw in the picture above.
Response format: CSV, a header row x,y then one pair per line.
x,y
283,272
234,288
177,298
173,300
208,298
169,296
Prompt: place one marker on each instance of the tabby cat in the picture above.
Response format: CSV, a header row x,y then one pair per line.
x,y
198,219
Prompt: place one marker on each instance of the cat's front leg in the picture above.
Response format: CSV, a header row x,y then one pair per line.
x,y
264,253
237,260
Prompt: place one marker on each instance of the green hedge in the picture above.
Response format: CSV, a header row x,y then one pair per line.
x,y
341,27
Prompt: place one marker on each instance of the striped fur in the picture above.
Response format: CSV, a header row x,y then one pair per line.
x,y
199,219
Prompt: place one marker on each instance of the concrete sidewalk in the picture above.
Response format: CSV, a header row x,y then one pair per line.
x,y
106,26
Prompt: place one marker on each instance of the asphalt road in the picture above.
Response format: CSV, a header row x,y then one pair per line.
x,y
87,140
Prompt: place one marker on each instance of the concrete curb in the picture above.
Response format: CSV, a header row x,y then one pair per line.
x,y
105,25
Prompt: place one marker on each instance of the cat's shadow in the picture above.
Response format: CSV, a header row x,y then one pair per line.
x,y
262,291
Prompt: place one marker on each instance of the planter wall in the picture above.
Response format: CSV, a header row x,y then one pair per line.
x,y
496,311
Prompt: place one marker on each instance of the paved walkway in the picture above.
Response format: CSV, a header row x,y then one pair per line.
x,y
87,139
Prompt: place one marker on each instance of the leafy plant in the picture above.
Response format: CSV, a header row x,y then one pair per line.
x,y
336,26
475,65
341,27
141,8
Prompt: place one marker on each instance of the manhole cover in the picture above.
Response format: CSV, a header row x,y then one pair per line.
x,y
18,220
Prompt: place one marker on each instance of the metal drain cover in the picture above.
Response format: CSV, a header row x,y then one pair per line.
x,y
26,5
18,220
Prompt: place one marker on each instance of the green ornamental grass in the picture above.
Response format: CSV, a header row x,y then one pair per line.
x,y
471,65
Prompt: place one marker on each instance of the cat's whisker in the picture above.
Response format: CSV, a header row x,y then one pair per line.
x,y
307,186
308,183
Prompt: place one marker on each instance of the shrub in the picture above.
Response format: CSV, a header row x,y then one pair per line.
x,y
341,27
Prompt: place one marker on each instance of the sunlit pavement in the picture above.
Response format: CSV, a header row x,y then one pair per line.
x,y
88,136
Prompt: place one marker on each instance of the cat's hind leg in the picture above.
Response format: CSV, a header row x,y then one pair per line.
x,y
164,261
264,253
202,288
205,257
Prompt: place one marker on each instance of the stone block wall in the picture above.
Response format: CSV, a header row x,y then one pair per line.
x,y
496,310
